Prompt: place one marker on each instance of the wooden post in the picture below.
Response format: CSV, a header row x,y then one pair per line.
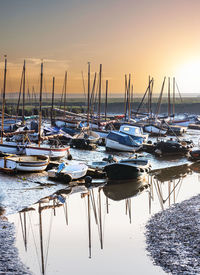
x,y
52,102
40,110
99,105
129,97
4,100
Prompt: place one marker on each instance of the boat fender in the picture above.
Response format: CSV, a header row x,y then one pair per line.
x,y
142,170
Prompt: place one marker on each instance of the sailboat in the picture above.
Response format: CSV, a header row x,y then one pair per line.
x,y
52,151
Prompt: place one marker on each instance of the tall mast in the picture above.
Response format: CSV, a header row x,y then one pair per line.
x,y
40,110
24,79
169,107
106,100
65,91
99,106
52,102
129,97
125,94
174,96
88,97
4,97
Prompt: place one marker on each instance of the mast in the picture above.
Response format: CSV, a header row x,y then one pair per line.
x,y
40,110
169,107
52,102
3,102
24,78
106,100
41,237
174,96
99,106
88,97
125,93
129,97
65,91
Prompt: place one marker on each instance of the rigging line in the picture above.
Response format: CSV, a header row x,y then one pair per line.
x,y
36,250
181,181
83,85
179,92
104,221
172,191
48,240
94,206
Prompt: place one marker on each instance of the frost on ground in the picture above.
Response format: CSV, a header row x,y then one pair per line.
x,y
173,238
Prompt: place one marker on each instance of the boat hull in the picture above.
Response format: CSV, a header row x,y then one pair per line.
x,y
24,163
114,145
53,153
119,171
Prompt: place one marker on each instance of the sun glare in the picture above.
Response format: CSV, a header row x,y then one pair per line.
x,y
188,77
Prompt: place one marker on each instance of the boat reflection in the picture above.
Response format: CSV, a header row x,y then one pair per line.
x,y
166,184
160,188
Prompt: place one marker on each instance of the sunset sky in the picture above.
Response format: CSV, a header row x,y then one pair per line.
x,y
142,37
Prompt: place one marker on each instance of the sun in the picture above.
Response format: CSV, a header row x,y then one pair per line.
x,y
188,76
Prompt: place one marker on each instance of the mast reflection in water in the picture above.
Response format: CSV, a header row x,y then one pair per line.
x,y
84,230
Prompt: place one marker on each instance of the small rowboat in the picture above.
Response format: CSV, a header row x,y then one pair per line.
x,y
68,172
23,163
52,152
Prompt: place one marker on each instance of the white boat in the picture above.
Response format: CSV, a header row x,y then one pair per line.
x,y
52,152
69,172
135,132
89,135
121,142
23,163
11,148
154,130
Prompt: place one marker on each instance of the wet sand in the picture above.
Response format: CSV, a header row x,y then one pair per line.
x,y
173,238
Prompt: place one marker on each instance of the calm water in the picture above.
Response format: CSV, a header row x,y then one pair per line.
x,y
96,231
108,240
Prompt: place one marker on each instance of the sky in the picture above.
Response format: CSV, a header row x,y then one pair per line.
x,y
147,37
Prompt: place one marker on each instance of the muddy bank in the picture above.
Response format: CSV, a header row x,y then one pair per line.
x,y
10,264
173,238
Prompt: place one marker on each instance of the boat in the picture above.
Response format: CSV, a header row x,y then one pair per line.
x,y
172,147
23,163
127,169
89,136
68,172
135,132
121,142
155,130
52,151
195,155
122,190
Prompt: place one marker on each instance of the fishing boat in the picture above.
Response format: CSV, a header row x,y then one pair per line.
x,y
121,142
135,132
68,172
127,169
23,163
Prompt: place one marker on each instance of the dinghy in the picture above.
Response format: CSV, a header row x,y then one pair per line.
x,y
68,172
51,151
23,163
135,132
121,142
127,169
